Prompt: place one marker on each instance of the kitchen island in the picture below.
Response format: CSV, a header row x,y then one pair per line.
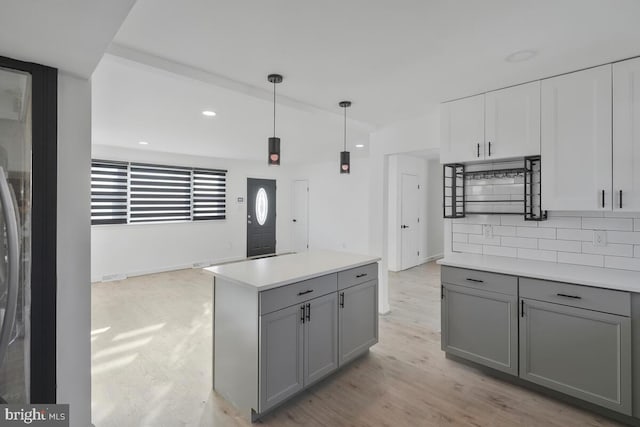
x,y
283,323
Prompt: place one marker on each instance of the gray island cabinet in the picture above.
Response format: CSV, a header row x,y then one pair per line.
x,y
283,323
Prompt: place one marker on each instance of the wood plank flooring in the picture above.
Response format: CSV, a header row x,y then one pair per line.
x,y
152,366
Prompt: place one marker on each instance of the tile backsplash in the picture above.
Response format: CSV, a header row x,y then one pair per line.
x,y
565,237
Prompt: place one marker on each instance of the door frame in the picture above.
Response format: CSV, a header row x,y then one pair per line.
x,y
44,142
293,193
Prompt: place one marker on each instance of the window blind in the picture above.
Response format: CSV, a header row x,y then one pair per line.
x,y
109,183
124,193
159,193
209,194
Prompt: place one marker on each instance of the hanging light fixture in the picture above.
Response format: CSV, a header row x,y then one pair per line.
x,y
345,161
274,141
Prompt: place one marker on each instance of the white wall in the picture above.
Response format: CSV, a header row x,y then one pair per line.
x,y
133,249
398,165
338,205
422,133
73,245
435,222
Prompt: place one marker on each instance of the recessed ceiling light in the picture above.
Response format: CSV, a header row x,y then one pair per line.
x,y
143,143
521,55
359,145
209,113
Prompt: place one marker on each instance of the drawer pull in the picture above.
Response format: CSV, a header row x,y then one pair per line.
x,y
475,280
305,292
360,275
569,296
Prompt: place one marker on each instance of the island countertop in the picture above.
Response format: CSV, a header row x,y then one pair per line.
x,y
271,272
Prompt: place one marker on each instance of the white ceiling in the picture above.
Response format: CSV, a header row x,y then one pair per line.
x,y
71,35
392,58
132,102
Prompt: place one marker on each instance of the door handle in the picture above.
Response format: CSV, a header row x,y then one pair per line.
x,y
308,312
620,199
11,219
342,299
302,313
478,155
603,198
489,148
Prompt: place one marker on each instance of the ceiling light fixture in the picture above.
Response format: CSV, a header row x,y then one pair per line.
x,y
521,55
143,143
209,113
345,161
274,141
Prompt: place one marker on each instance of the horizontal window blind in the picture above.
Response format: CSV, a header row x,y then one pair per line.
x,y
141,193
109,192
209,194
159,193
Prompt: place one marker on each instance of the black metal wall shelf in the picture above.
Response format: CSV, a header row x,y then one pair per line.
x,y
455,177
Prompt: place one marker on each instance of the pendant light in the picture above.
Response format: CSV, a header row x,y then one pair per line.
x,y
345,161
274,141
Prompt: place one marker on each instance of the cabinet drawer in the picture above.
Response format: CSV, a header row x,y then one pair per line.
x,y
284,296
480,280
357,275
605,300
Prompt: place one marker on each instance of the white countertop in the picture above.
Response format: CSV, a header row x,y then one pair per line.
x,y
622,280
267,273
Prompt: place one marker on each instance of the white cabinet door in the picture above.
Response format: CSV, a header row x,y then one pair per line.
x,y
462,130
576,140
626,135
512,122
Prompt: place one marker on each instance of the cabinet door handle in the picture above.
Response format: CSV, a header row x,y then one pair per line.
x,y
603,198
475,280
521,308
302,313
441,291
308,312
342,299
489,148
305,292
620,199
360,275
478,150
569,296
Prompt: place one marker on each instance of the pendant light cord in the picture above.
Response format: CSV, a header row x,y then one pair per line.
x,y
274,109
345,128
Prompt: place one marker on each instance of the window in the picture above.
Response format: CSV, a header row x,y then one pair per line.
x,y
133,193
108,192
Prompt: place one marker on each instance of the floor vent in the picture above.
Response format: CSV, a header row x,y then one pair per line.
x,y
202,264
113,277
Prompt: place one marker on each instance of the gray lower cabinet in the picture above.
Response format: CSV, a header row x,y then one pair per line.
x,y
357,320
299,346
583,353
281,364
321,338
481,326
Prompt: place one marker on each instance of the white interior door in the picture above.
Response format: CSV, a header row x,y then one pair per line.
x,y
410,212
300,215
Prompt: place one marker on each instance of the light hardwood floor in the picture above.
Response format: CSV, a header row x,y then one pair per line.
x,y
152,366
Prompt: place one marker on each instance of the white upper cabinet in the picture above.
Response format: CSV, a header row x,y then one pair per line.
x,y
626,135
462,130
512,122
497,125
576,144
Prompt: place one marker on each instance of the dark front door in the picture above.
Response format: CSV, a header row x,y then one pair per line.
x,y
261,217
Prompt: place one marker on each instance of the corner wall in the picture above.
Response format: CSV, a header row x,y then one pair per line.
x,y
73,243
